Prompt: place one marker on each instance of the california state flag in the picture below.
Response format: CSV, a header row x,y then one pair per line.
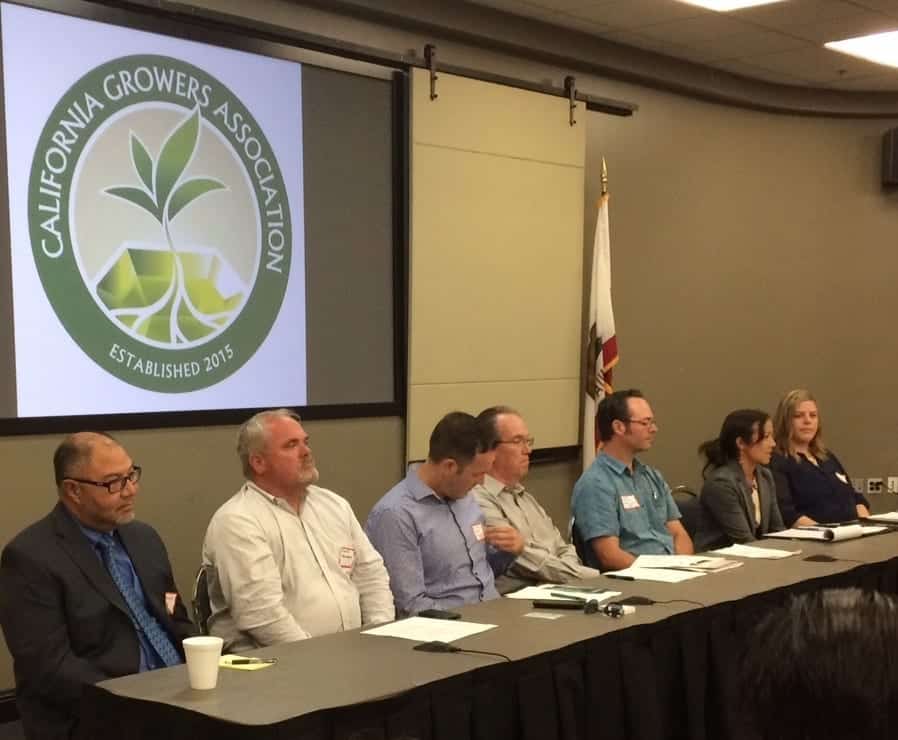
x,y
601,343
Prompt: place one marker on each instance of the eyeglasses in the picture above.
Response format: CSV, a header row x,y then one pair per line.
x,y
116,485
647,423
519,441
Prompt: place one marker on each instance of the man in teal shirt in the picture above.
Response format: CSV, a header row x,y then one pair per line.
x,y
623,508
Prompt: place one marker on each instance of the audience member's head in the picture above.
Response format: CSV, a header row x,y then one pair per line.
x,y
460,453
797,426
513,443
825,667
745,434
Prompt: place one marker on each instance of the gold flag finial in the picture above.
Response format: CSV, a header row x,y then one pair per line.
x,y
604,177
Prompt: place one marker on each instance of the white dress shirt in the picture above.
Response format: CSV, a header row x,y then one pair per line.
x,y
277,576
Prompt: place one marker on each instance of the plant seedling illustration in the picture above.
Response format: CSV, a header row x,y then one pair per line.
x,y
168,296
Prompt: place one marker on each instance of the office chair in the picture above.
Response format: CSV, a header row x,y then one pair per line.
x,y
690,509
202,609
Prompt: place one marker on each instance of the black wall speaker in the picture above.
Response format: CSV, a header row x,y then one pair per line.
x,y
890,158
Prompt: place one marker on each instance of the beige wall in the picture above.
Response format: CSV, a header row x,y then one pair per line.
x,y
750,253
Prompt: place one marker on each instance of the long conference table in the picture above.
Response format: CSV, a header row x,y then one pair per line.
x,y
668,671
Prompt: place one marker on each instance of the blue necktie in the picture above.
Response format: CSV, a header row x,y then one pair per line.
x,y
143,620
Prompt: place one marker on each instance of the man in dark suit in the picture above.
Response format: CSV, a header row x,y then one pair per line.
x,y
86,593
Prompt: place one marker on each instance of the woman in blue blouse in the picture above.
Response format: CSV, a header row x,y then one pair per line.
x,y
812,485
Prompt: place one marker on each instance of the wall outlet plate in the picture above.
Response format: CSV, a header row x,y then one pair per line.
x,y
858,485
875,485
892,484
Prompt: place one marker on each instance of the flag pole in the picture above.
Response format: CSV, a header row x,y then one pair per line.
x,y
601,340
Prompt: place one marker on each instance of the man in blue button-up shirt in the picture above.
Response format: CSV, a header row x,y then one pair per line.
x,y
623,508
430,530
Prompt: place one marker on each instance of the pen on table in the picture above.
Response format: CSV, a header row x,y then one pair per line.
x,y
567,596
251,661
616,575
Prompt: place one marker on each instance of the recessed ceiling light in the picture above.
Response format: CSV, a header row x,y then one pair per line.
x,y
722,6
880,48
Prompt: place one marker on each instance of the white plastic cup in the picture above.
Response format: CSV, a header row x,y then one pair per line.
x,y
203,654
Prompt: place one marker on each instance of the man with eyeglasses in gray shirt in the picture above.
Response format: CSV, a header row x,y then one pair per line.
x,y
87,593
546,557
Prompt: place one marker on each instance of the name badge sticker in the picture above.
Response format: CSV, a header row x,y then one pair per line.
x,y
347,558
478,531
630,502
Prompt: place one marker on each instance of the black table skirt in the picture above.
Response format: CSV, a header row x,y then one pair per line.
x,y
673,679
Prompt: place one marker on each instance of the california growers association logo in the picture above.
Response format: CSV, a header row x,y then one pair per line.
x,y
159,223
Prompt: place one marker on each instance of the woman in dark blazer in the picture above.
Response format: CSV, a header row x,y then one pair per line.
x,y
812,485
738,498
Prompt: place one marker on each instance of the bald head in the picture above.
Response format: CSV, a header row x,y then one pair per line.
x,y
75,452
97,480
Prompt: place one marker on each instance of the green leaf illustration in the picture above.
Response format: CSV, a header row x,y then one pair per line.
x,y
189,191
176,153
143,163
137,197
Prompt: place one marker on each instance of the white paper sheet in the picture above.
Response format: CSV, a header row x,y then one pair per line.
x,y
544,591
827,534
685,562
664,575
891,516
749,551
423,629
873,529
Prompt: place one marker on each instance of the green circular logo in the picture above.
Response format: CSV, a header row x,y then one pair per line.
x,y
159,223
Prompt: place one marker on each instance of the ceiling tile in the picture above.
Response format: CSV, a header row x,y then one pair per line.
x,y
780,42
630,38
633,13
576,24
784,16
565,6
693,30
753,43
740,67
816,64
884,6
515,7
846,28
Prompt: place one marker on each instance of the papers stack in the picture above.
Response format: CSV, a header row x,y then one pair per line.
x,y
827,534
663,575
423,629
672,568
699,563
749,551
559,592
891,517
